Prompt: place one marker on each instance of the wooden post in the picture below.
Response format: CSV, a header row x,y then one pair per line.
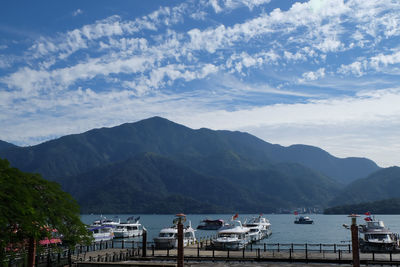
x,y
180,259
31,252
144,243
354,240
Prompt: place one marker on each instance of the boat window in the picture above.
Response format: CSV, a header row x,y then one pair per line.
x,y
166,235
380,237
188,234
227,235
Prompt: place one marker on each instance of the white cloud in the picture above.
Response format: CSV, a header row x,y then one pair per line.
x,y
312,75
357,68
77,12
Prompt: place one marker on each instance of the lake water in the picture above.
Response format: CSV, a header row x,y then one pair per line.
x,y
327,229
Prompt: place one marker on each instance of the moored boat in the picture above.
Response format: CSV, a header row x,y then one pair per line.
x,y
130,228
168,237
375,237
208,224
259,228
102,232
233,236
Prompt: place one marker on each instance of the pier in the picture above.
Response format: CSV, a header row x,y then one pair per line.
x,y
132,253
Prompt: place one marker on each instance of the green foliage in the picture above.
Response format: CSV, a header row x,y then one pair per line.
x,y
29,203
387,206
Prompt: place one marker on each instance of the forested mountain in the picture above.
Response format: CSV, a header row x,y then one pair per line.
x,y
150,182
380,185
387,206
74,154
110,169
5,145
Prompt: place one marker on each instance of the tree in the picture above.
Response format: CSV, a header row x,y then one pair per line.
x,y
30,204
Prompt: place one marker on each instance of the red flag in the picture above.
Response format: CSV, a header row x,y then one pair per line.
x,y
235,216
367,213
296,213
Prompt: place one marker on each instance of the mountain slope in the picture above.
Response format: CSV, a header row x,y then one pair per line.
x,y
156,184
382,184
73,154
386,206
4,145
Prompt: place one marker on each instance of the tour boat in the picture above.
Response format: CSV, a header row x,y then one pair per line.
x,y
168,237
259,228
128,229
208,224
102,232
375,237
233,236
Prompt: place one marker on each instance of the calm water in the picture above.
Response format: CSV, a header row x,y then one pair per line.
x,y
326,229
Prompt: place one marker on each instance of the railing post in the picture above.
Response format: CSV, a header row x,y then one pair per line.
x,y
228,253
152,250
334,248
265,247
198,250
320,248
278,247
339,254
243,251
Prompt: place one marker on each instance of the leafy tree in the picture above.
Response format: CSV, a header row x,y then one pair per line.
x,y
29,205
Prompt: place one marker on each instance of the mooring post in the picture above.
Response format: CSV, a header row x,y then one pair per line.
x,y
181,218
354,240
144,243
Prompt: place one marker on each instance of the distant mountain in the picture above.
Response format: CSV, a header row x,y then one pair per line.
x,y
380,185
387,206
4,145
153,183
102,166
74,154
344,170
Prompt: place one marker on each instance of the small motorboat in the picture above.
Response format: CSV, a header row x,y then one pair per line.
x,y
303,220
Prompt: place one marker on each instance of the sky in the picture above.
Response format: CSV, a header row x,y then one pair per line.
x,y
324,73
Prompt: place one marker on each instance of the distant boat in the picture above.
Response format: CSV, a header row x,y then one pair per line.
x,y
208,224
303,220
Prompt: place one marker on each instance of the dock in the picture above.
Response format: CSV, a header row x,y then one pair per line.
x,y
267,255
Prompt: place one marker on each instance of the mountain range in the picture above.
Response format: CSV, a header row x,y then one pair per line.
x,y
158,166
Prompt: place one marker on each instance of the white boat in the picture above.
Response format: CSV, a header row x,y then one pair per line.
x,y
376,237
259,228
128,229
233,236
102,232
168,237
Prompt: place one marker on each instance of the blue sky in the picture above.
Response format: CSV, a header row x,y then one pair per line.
x,y
318,72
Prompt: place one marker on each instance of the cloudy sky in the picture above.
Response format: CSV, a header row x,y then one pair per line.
x,y
319,72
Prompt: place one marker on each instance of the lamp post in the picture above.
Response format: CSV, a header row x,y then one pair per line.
x,y
354,240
